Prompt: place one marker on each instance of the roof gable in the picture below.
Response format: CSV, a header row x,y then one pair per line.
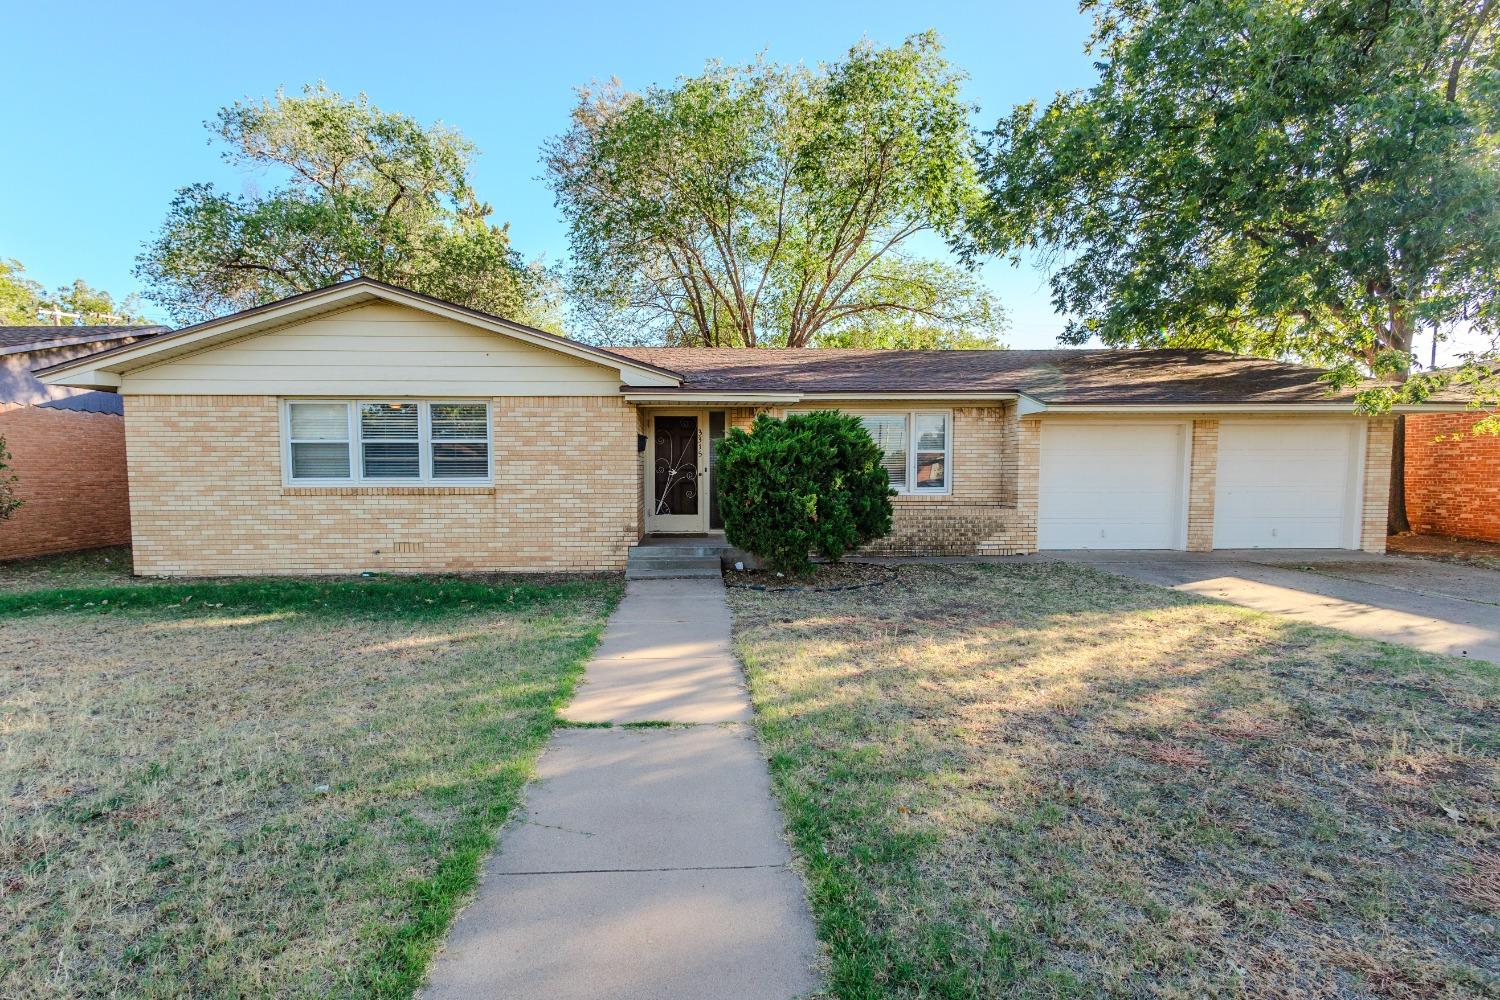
x,y
105,369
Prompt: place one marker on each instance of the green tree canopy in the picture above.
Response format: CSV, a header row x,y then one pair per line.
x,y
1301,178
366,193
23,302
773,205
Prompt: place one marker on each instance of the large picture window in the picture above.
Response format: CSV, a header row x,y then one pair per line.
x,y
387,441
917,445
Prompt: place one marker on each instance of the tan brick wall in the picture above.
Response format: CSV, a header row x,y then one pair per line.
x,y
70,468
992,508
982,515
1377,485
207,496
1203,472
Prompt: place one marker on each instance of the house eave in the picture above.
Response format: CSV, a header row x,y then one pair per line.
x,y
123,359
1342,407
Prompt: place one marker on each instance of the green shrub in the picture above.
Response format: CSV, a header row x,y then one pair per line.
x,y
809,483
8,499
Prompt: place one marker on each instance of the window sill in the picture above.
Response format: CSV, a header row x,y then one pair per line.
x,y
920,497
420,490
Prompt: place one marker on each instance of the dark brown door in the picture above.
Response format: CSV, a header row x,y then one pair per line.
x,y
676,443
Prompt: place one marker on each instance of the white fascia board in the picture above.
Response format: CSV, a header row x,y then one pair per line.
x,y
1344,408
714,398
1026,406
916,397
1199,408
171,345
646,379
88,379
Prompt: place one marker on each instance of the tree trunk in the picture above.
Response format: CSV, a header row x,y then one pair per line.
x,y
1396,522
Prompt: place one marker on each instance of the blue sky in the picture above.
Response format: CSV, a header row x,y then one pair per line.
x,y
107,101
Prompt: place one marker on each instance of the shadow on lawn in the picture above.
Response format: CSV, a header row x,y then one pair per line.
x,y
1052,779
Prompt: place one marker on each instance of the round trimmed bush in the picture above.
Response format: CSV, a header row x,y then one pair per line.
x,y
812,483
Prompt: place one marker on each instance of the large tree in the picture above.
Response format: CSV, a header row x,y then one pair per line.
x,y
1314,179
365,192
24,302
773,205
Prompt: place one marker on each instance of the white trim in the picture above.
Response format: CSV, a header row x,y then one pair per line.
x,y
677,523
909,489
913,397
354,441
335,297
721,399
1229,410
732,398
1027,406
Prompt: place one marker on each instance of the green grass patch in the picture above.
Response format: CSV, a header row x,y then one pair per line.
x,y
286,790
1046,781
416,597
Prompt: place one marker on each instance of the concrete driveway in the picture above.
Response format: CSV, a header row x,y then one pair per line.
x,y
1433,606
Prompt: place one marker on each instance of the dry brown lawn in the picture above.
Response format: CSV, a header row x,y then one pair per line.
x,y
239,802
1043,780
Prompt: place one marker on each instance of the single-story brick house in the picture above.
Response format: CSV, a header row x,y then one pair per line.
x,y
365,427
67,445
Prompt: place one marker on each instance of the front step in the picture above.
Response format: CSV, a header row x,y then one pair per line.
x,y
674,560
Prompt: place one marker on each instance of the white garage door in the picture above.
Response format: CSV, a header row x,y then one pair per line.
x,y
1111,486
1286,485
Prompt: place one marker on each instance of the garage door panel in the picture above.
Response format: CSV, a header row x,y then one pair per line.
x,y
1285,484
1110,487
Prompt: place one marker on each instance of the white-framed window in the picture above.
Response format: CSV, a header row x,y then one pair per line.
x,y
390,442
918,447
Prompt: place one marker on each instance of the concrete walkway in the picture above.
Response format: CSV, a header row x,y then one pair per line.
x,y
650,862
1437,607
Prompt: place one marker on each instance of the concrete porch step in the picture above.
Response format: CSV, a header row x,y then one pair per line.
x,y
660,559
709,569
659,553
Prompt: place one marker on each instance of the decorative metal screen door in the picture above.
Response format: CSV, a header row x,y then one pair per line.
x,y
676,502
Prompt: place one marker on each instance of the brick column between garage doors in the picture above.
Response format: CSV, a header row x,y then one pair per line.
x,y
1203,477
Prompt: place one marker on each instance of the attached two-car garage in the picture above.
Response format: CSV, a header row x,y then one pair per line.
x,y
1278,484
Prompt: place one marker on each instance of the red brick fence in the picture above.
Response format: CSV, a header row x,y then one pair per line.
x,y
71,470
1452,486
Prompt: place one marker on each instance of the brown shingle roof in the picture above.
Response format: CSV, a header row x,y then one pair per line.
x,y
1113,377
40,337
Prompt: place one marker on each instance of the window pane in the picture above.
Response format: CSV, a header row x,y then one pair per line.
x,y
930,471
388,421
932,431
319,422
889,433
451,460
392,460
320,461
459,420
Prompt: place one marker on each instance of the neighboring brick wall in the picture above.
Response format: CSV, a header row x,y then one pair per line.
x,y
1202,483
207,497
1374,518
71,471
1453,484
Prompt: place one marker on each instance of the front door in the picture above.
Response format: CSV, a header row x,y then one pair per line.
x,y
677,494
